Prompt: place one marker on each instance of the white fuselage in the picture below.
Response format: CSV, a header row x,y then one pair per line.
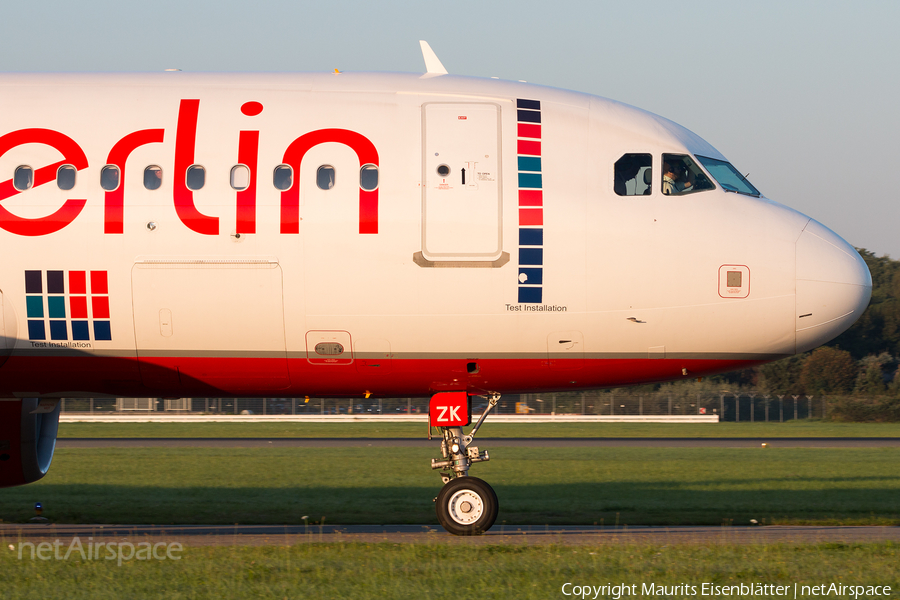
x,y
488,256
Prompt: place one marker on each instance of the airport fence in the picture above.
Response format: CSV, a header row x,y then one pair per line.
x,y
728,407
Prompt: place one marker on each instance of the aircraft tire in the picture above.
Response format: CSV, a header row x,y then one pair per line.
x,y
467,506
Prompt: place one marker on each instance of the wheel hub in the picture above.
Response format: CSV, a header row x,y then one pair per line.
x,y
465,507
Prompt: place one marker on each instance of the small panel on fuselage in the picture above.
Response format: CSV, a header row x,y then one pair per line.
x,y
329,348
734,281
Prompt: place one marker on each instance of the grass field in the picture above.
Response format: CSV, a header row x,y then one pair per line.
x,y
388,485
387,571
804,428
625,486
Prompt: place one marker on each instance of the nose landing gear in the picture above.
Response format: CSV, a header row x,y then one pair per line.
x,y
465,505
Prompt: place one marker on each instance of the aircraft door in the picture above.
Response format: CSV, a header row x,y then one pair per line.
x,y
461,198
210,323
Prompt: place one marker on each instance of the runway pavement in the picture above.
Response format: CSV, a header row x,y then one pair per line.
x,y
486,442
276,535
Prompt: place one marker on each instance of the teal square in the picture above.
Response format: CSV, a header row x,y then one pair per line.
x,y
56,306
530,163
35,307
530,181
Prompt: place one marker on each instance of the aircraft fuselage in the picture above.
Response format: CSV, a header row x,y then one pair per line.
x,y
382,234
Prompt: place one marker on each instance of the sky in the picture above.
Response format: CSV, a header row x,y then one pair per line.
x,y
802,95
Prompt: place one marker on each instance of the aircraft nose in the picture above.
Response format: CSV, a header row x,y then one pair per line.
x,y
833,286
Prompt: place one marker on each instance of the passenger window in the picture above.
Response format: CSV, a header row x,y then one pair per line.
x,y
196,177
633,175
240,177
23,178
152,177
109,177
681,175
325,177
283,177
65,177
368,177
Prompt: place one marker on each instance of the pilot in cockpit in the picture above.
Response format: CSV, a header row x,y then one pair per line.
x,y
675,180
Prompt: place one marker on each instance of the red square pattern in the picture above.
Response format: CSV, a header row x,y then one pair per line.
x,y
531,217
78,307
531,198
529,147
529,130
99,284
100,307
77,283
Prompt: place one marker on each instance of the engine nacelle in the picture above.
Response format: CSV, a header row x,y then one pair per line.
x,y
28,430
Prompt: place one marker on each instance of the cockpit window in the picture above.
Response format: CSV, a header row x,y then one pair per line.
x,y
728,177
681,175
633,175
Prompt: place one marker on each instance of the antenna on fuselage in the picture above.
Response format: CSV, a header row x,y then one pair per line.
x,y
433,66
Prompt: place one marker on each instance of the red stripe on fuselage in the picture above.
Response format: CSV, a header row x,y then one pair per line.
x,y
295,377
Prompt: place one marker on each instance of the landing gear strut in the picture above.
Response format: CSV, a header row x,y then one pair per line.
x,y
465,505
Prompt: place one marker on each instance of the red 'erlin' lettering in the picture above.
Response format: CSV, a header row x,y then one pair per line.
x,y
251,109
185,140
248,151
114,201
293,156
72,154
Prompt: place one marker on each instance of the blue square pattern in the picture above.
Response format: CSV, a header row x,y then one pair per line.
x,y
531,256
36,330
531,276
81,331
530,295
59,330
102,331
531,237
528,116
